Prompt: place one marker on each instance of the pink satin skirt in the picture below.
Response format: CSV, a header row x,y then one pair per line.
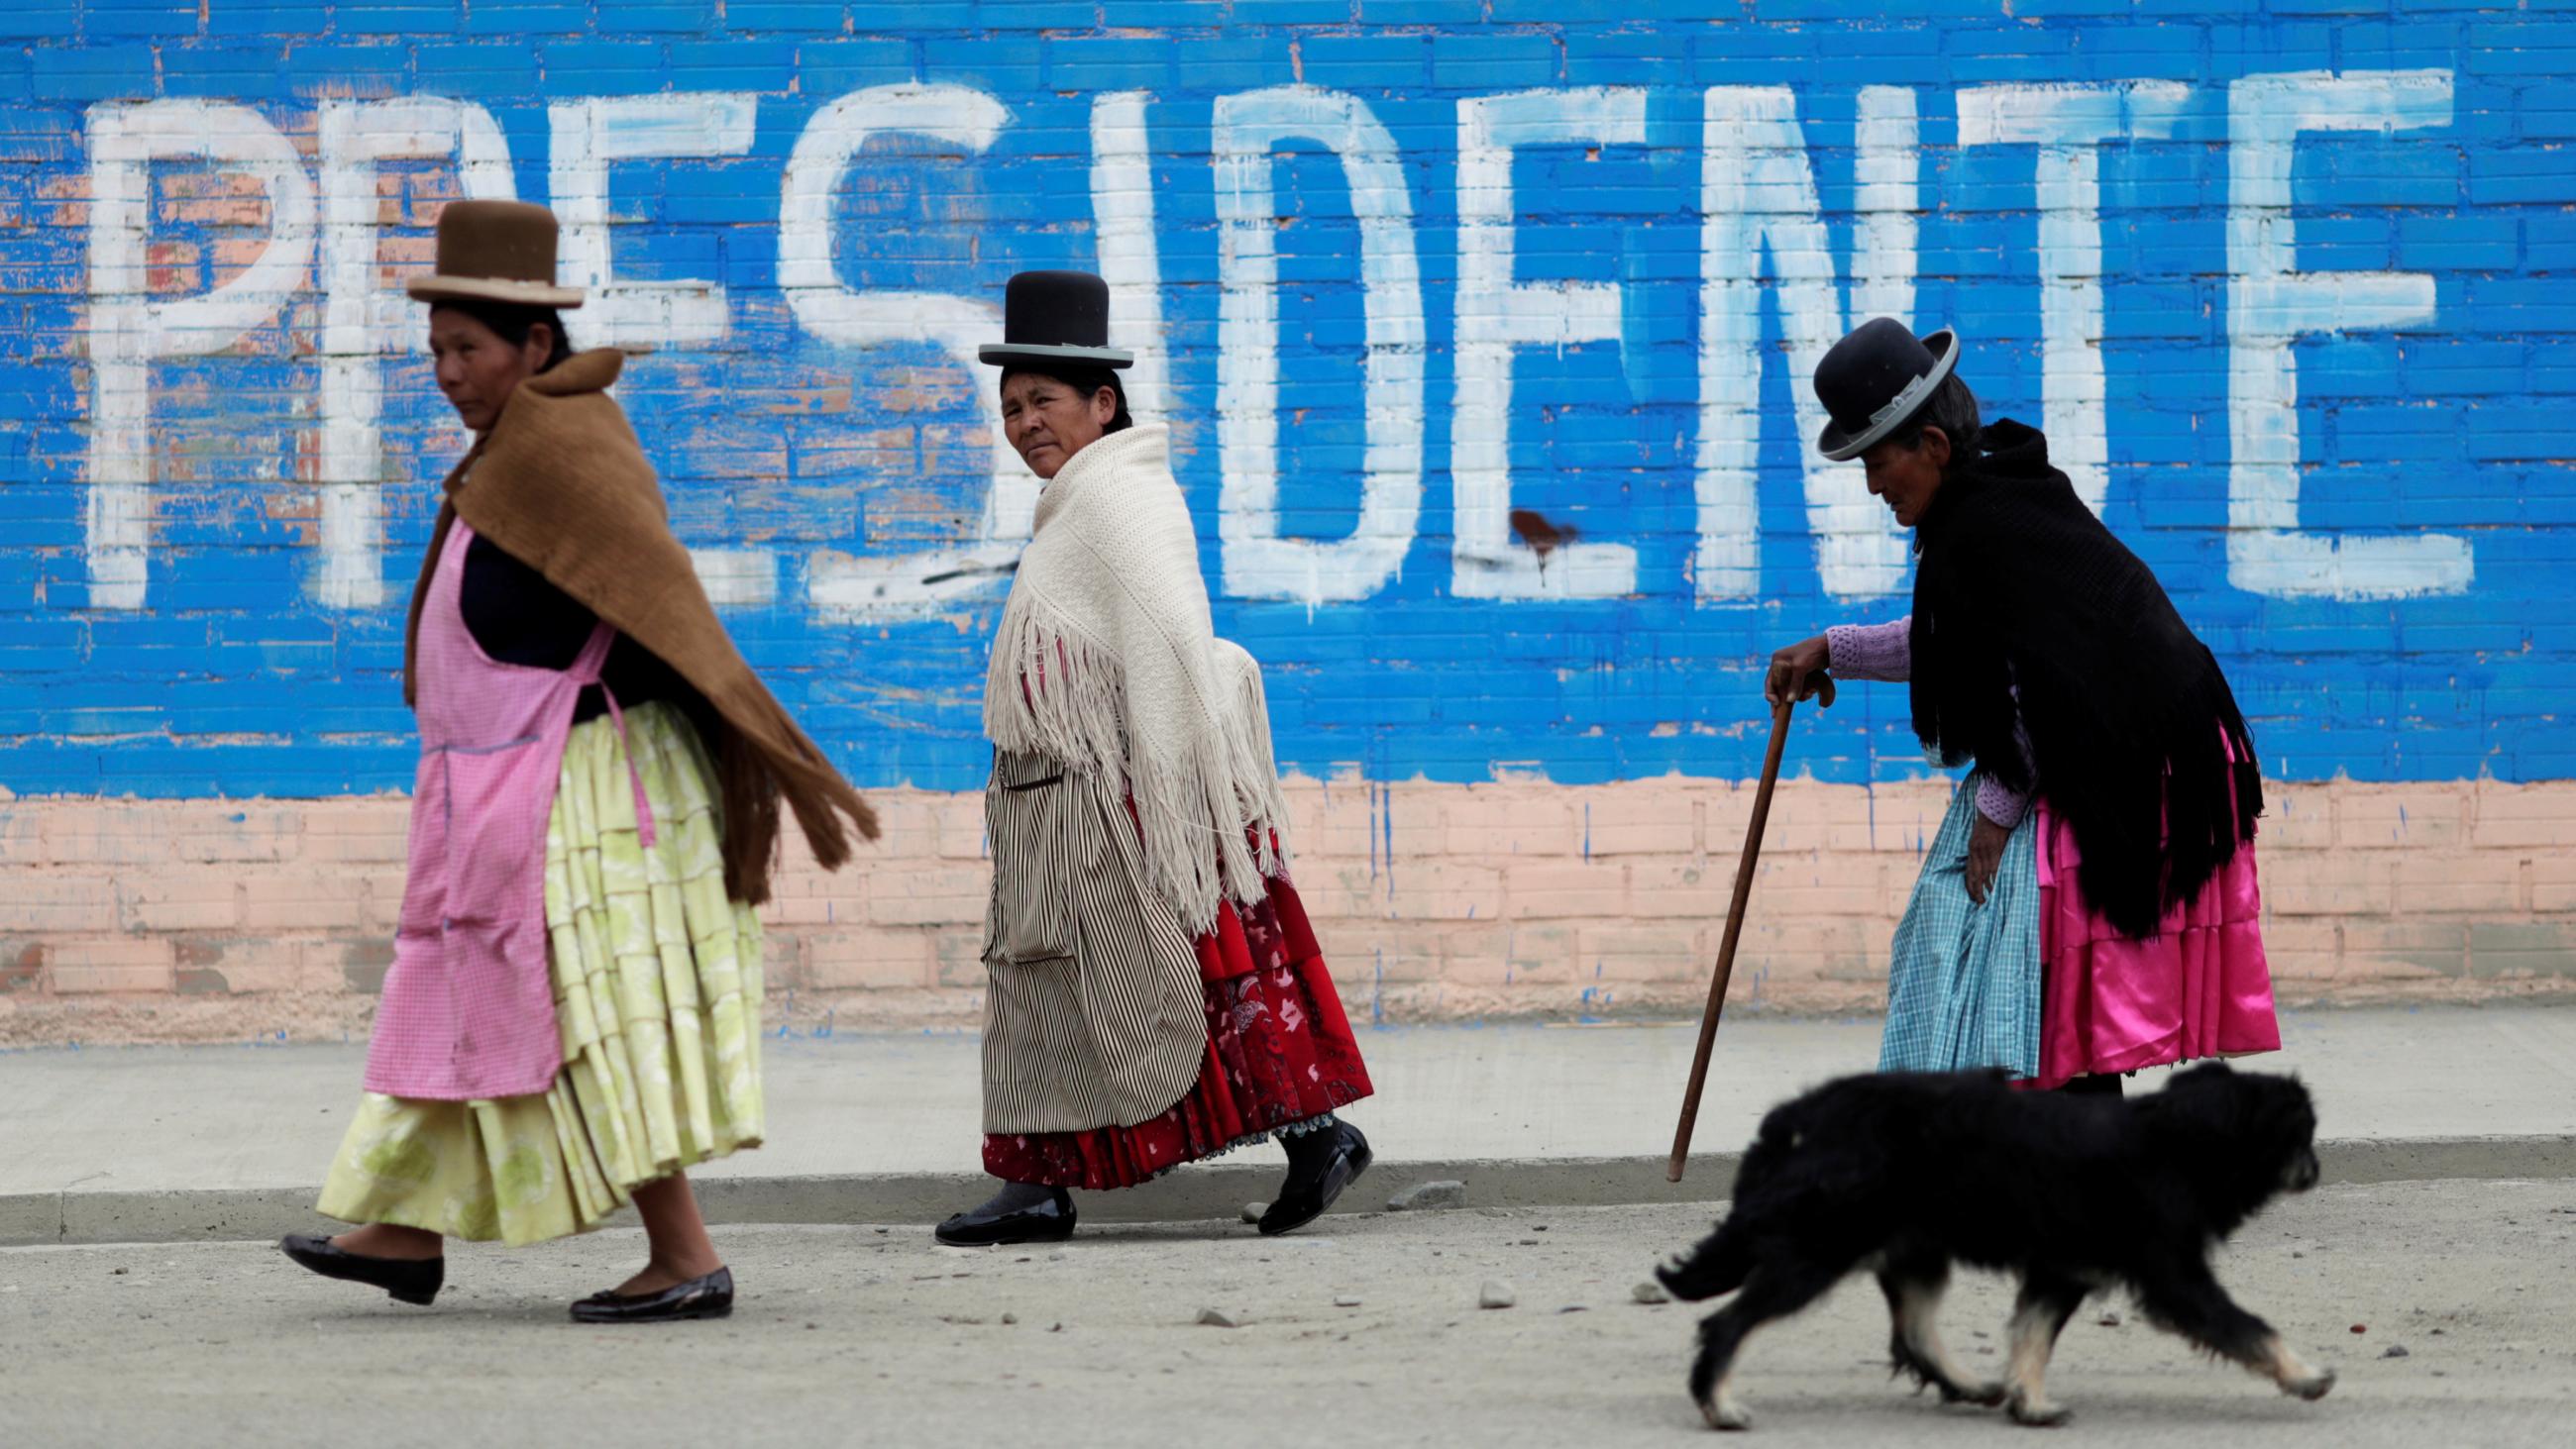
x,y
2199,987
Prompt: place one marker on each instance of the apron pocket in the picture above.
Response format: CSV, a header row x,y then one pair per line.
x,y
496,803
1025,810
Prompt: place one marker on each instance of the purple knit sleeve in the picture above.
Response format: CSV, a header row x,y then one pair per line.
x,y
1871,651
2000,802
1886,652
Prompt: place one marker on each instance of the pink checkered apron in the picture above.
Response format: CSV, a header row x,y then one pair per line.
x,y
469,1009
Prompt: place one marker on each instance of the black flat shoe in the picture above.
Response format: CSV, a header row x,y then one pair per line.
x,y
1048,1222
707,1297
409,1280
1315,1181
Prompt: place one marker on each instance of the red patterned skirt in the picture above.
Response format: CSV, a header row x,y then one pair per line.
x,y
1279,1052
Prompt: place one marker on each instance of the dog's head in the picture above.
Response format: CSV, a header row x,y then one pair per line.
x,y
2253,1132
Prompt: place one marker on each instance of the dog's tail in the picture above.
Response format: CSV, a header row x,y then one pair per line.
x,y
1716,1266
1719,1265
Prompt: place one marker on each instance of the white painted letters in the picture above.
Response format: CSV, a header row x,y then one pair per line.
x,y
1757,196
1257,562
1122,218
1762,232
361,322
588,136
847,586
127,333
1887,153
2068,123
1497,316
2269,303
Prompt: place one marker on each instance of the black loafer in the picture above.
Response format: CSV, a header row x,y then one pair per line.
x,y
1048,1222
409,1280
1314,1182
707,1297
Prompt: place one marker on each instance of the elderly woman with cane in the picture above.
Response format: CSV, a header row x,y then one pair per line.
x,y
2089,904
573,1014
1156,995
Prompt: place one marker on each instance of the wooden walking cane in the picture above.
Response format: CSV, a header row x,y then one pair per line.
x,y
1735,925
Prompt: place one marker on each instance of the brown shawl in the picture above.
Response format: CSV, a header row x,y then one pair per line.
x,y
562,485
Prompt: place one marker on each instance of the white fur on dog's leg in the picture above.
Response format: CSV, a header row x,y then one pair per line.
x,y
1723,1409
2034,1335
2038,1414
2283,1366
1916,1309
1723,1412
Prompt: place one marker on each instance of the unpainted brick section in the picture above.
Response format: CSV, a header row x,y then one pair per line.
x,y
122,965
2375,890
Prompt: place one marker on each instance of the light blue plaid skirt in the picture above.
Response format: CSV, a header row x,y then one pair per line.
x,y
1963,989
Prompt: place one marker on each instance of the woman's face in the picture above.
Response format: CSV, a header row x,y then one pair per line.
x,y
477,369
1049,422
1905,478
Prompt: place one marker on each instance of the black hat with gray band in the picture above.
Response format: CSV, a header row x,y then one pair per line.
x,y
1875,380
1055,318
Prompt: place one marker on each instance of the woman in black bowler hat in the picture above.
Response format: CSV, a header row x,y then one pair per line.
x,y
2089,906
1157,996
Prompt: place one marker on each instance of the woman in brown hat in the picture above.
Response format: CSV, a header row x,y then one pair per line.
x,y
573,1013
1156,994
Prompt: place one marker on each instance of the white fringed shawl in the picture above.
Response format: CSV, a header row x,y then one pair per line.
x,y
1108,628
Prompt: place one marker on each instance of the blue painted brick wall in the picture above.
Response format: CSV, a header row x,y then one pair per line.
x,y
233,677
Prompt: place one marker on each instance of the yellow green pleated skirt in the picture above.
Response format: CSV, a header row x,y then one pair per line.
x,y
657,980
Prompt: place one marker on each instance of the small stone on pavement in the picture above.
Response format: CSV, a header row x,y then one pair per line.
x,y
1650,1292
1496,1294
2396,1350
1252,1211
1219,1318
1346,1300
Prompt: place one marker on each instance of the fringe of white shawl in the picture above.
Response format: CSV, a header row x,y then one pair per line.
x,y
1201,807
1256,771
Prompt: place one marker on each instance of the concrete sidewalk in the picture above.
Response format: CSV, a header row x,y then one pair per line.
x,y
156,1143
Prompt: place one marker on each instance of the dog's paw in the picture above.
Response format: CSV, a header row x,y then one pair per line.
x,y
1725,1411
2038,1413
2311,1388
1987,1395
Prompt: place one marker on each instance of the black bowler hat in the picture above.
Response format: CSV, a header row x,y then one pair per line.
x,y
1875,380
1055,317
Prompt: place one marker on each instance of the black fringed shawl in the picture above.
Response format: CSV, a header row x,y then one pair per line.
x,y
2020,587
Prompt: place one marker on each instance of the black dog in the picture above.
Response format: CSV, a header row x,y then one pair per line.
x,y
1906,1173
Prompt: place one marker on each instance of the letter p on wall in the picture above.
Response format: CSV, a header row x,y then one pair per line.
x,y
128,332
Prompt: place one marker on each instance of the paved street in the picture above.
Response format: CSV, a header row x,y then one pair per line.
x,y
856,1335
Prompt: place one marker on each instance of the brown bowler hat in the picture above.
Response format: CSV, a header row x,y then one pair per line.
x,y
495,251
